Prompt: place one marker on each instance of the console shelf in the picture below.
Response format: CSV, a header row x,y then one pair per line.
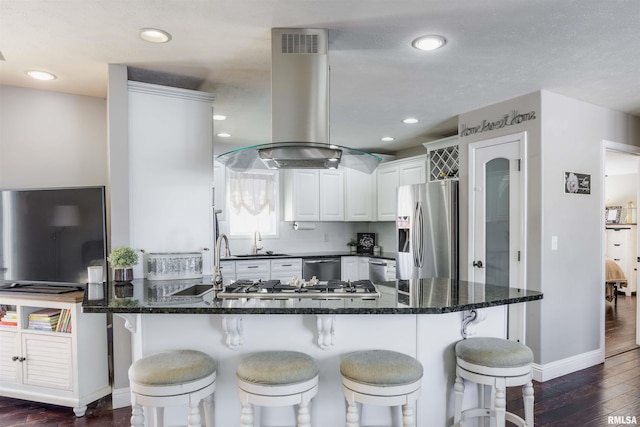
x,y
67,368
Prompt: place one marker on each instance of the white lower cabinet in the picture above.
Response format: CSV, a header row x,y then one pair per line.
x,y
228,271
60,368
261,269
391,270
355,268
349,268
254,270
286,269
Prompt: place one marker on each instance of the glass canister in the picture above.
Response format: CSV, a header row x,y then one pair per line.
x,y
631,213
172,265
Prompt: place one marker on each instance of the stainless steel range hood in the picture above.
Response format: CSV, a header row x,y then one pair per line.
x,y
299,110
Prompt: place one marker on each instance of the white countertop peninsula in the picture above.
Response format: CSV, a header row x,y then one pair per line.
x,y
424,322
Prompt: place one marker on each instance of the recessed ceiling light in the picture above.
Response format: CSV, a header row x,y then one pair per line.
x,y
410,120
154,35
40,75
386,138
223,135
219,117
431,42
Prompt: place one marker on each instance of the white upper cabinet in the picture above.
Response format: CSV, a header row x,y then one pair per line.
x,y
313,195
392,174
388,181
331,195
359,195
301,195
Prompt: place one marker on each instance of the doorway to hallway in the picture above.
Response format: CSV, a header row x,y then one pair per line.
x,y
622,186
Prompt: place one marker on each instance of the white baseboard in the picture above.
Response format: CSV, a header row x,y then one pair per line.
x,y
558,368
120,398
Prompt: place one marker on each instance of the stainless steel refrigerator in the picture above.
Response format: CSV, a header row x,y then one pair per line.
x,y
427,230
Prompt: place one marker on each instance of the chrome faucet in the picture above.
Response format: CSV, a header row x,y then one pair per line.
x,y
257,238
217,275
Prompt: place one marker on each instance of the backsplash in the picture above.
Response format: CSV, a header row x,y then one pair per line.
x,y
326,237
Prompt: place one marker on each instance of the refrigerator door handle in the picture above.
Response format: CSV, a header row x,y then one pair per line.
x,y
418,241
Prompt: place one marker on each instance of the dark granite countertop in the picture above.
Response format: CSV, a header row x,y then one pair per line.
x,y
424,296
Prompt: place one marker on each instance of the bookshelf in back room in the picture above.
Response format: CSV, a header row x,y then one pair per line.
x,y
66,365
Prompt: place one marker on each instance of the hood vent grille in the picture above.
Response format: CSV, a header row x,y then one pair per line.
x,y
299,43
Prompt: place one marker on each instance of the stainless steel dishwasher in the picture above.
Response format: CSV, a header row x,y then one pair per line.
x,y
377,270
323,268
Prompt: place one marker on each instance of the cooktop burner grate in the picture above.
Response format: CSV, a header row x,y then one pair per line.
x,y
333,288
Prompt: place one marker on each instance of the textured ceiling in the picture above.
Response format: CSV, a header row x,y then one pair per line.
x,y
497,49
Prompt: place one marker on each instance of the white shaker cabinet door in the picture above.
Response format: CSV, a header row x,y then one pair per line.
x,y
301,195
331,195
388,181
359,196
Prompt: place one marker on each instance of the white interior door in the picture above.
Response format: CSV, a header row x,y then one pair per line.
x,y
496,215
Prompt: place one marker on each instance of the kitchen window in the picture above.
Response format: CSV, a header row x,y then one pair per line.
x,y
252,201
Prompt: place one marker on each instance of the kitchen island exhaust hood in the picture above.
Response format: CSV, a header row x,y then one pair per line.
x,y
299,111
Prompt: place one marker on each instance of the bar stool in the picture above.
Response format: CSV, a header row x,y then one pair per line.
x,y
381,377
498,363
176,377
277,378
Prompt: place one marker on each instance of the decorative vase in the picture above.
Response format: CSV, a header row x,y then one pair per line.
x,y
352,249
123,274
123,290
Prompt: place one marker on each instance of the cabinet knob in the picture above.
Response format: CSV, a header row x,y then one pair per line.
x,y
478,264
22,359
15,358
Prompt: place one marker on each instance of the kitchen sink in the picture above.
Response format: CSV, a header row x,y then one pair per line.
x,y
258,255
193,291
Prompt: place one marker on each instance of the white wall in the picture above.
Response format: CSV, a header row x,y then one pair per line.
x,y
50,139
566,136
620,189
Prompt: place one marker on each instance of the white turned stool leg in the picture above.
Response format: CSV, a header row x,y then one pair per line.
x,y
527,396
408,416
304,417
208,409
458,389
246,419
353,416
194,418
158,416
500,405
137,415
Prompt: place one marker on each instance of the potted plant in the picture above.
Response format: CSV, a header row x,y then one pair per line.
x,y
353,244
122,260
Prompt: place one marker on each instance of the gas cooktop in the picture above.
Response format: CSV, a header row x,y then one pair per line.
x,y
275,289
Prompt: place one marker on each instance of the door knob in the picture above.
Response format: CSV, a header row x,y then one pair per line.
x,y
478,264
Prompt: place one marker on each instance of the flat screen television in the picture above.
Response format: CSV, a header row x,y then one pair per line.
x,y
51,235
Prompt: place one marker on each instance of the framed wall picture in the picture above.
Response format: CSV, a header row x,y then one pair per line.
x,y
613,214
366,242
577,183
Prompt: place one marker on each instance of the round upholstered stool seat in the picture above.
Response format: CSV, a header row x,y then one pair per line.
x,y
498,363
176,377
277,378
380,377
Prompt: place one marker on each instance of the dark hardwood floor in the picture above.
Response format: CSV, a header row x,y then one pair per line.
x,y
620,325
586,398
